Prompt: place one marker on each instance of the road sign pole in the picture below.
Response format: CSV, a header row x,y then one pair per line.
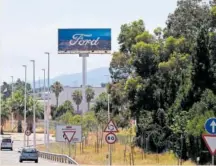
x,y
69,148
110,128
27,140
110,150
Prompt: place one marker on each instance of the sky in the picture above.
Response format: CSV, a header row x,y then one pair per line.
x,y
29,28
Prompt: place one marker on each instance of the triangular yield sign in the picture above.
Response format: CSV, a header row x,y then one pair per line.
x,y
210,141
69,135
111,127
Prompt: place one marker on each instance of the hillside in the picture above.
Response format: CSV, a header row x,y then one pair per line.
x,y
94,77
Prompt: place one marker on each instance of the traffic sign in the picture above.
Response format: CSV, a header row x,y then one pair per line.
x,y
28,132
111,127
69,135
72,134
210,141
111,138
210,125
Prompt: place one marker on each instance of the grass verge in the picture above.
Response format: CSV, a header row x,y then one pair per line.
x,y
121,154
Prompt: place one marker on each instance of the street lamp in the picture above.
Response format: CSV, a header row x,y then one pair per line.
x,y
25,105
1,132
45,118
48,101
34,124
12,120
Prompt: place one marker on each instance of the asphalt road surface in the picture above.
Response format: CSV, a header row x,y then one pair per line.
x,y
11,158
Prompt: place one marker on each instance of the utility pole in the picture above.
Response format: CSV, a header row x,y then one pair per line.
x,y
25,103
34,121
12,115
45,114
48,102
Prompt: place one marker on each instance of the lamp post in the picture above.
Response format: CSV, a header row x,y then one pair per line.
x,y
34,124
45,115
12,118
25,102
1,132
48,101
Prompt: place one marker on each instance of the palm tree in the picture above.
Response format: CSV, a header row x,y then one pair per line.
x,y
57,88
77,98
17,104
4,114
89,96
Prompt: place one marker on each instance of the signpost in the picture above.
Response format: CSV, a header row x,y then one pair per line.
x,y
27,133
111,127
210,125
110,138
71,134
210,139
84,42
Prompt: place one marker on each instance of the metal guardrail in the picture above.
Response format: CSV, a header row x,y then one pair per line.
x,y
57,157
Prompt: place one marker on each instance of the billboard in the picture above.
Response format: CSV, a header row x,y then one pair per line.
x,y
84,41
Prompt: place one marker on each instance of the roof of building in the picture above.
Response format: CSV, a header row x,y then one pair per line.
x,y
66,94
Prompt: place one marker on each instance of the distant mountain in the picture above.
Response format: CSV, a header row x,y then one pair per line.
x,y
94,78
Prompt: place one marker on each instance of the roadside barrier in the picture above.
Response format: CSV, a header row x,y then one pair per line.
x,y
61,158
57,158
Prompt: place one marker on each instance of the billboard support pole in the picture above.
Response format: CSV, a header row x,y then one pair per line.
x,y
84,80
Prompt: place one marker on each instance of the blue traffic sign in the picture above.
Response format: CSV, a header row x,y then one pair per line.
x,y
210,125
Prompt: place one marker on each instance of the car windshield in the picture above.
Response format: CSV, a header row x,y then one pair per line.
x,y
6,140
29,150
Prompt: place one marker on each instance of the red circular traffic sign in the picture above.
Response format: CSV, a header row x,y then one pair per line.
x,y
28,132
111,138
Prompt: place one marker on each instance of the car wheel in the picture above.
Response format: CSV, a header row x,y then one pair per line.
x,y
11,149
36,161
20,161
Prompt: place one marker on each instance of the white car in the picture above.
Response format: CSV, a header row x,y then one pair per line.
x,y
7,143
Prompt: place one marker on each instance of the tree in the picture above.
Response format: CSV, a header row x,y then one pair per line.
x,y
89,96
64,108
187,19
160,79
57,88
4,113
77,98
17,104
20,85
100,103
128,34
6,90
103,85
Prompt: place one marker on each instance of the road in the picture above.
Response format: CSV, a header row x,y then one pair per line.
x,y
11,158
